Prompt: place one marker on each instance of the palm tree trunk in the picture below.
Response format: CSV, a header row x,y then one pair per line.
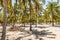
x,y
30,16
46,21
24,11
52,14
4,24
15,12
52,19
36,15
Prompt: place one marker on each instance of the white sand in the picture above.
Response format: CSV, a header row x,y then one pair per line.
x,y
25,36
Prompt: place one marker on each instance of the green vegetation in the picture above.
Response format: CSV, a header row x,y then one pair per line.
x,y
29,11
21,13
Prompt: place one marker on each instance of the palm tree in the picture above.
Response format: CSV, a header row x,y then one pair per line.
x,y
4,23
11,11
53,7
24,11
46,15
30,15
38,8
14,12
36,13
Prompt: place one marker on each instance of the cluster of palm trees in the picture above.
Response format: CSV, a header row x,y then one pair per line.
x,y
28,11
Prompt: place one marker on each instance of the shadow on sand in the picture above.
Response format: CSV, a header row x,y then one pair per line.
x,y
39,34
42,33
56,25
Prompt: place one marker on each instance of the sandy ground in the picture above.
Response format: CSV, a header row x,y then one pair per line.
x,y
46,32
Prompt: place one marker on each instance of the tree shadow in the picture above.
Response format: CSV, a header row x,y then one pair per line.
x,y
56,25
41,27
19,38
42,33
38,34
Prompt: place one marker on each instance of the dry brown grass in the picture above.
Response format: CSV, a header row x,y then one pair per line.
x,y
16,29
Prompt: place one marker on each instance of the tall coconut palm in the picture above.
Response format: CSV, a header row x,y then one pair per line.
x,y
14,9
4,18
46,16
30,15
38,7
24,11
53,7
9,8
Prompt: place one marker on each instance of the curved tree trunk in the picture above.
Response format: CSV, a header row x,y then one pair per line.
x,y
4,23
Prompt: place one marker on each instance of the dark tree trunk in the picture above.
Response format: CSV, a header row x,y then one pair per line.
x,y
36,15
52,15
30,16
52,22
4,23
52,19
46,22
24,12
30,27
13,25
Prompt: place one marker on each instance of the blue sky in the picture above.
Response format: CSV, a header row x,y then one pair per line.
x,y
44,6
13,2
